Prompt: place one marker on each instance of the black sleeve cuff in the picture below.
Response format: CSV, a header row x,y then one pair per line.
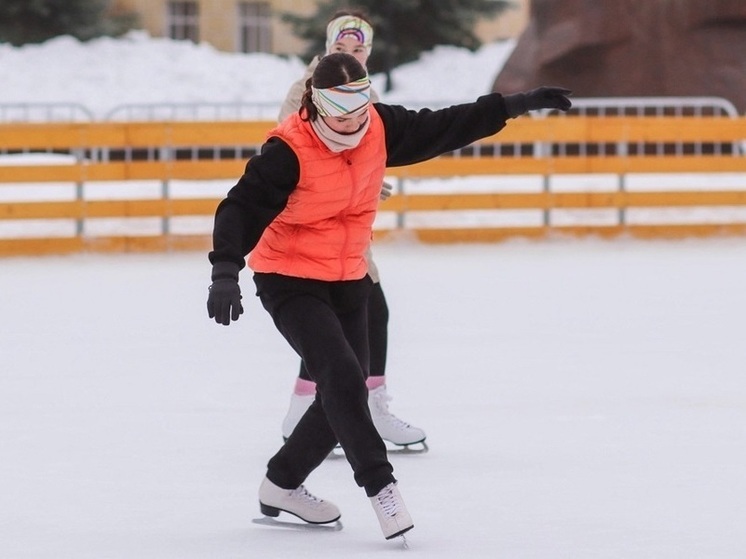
x,y
225,270
515,104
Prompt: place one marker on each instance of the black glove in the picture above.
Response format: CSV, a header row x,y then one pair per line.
x,y
539,98
224,300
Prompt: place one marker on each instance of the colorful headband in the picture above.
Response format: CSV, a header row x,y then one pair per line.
x,y
342,100
349,26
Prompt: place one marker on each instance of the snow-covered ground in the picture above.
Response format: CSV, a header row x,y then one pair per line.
x,y
106,73
583,399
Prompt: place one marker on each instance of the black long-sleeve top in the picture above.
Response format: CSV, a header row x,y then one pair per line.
x,y
271,176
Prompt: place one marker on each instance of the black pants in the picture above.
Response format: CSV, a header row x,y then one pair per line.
x,y
378,334
326,323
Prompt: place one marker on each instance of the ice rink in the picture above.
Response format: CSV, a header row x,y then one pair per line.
x,y
582,399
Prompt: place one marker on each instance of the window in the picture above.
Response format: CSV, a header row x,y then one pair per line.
x,y
183,20
254,27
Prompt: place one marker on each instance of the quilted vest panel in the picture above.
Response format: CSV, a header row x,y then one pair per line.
x,y
326,227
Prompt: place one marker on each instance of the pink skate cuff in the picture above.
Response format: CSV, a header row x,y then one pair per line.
x,y
304,387
374,382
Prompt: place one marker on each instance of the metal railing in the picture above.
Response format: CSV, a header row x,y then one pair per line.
x,y
651,106
45,112
207,111
239,111
193,111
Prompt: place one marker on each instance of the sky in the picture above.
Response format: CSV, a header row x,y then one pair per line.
x,y
583,399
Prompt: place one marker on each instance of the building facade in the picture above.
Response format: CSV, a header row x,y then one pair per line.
x,y
248,26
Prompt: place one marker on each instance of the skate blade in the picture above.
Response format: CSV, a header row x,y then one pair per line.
x,y
269,521
391,448
404,542
414,448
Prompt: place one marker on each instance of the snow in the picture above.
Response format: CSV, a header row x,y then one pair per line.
x,y
108,73
582,399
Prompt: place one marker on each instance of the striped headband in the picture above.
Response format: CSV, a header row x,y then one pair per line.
x,y
349,26
342,100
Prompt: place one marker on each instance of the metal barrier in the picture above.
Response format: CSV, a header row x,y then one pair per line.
x,y
193,111
651,106
208,111
237,111
656,107
44,112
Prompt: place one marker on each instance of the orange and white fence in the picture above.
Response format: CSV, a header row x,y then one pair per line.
x,y
603,175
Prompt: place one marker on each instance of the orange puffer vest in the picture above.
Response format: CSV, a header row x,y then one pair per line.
x,y
325,229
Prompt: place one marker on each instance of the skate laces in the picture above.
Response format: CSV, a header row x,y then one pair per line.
x,y
387,500
382,399
304,494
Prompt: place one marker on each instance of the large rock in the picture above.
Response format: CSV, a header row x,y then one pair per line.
x,y
633,48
